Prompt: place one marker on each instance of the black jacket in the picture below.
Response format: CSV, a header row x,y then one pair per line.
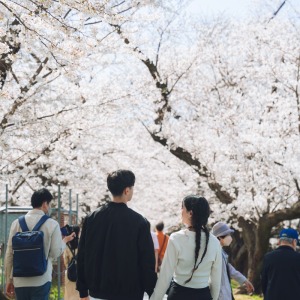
x,y
281,274
116,255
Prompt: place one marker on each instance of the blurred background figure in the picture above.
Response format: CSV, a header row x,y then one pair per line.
x,y
162,241
223,233
156,246
70,261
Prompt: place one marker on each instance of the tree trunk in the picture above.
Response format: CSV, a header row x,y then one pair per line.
x,y
256,238
256,233
238,254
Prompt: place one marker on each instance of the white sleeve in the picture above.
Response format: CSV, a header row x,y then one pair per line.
x,y
167,269
8,261
155,241
57,245
215,275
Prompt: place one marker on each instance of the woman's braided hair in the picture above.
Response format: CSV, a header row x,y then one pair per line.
x,y
200,213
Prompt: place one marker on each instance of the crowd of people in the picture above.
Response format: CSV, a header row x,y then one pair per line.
x,y
119,258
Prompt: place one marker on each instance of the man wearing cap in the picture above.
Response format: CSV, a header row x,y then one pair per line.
x,y
280,276
223,232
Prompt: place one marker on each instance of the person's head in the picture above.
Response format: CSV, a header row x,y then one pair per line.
x,y
288,237
120,183
41,200
160,226
195,213
223,232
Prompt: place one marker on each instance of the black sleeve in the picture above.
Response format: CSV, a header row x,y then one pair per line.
x,y
264,276
146,259
81,285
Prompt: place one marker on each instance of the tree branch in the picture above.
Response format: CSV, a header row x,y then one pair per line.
x,y
43,117
21,99
202,170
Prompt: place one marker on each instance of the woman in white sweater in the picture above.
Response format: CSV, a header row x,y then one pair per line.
x,y
193,258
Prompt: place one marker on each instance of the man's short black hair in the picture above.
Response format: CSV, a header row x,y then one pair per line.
x,y
39,197
119,180
160,226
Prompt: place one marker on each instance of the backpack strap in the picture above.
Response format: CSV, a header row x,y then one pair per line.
x,y
23,224
42,220
72,251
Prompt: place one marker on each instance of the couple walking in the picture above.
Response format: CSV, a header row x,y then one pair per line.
x,y
116,258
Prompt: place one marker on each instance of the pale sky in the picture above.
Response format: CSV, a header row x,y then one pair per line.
x,y
242,8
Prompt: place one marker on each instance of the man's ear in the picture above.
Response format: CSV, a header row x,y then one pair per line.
x,y
126,191
295,243
44,205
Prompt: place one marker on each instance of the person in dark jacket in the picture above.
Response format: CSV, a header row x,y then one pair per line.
x,y
280,275
116,254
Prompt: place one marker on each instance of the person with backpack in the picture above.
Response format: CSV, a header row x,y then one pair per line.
x,y
34,242
70,261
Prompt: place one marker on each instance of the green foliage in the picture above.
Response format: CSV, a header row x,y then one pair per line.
x,y
234,284
54,293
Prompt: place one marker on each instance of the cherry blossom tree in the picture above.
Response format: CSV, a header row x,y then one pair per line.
x,y
229,108
89,87
56,127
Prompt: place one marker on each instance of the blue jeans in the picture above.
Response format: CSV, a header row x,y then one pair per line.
x,y
33,292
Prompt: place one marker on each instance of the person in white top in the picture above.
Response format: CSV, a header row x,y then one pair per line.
x,y
193,257
156,245
156,248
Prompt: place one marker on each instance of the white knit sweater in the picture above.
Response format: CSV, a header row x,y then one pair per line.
x,y
179,261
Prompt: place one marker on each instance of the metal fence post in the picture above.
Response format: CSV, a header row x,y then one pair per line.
x,y
6,224
3,279
58,260
70,206
77,209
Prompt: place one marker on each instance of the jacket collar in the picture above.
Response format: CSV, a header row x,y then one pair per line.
x,y
284,247
36,211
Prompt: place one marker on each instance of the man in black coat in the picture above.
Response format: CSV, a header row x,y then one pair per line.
x,y
280,275
116,254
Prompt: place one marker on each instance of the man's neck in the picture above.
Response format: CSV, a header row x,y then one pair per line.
x,y
119,200
286,244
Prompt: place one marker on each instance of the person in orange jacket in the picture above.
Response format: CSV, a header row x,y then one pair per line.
x,y
162,240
